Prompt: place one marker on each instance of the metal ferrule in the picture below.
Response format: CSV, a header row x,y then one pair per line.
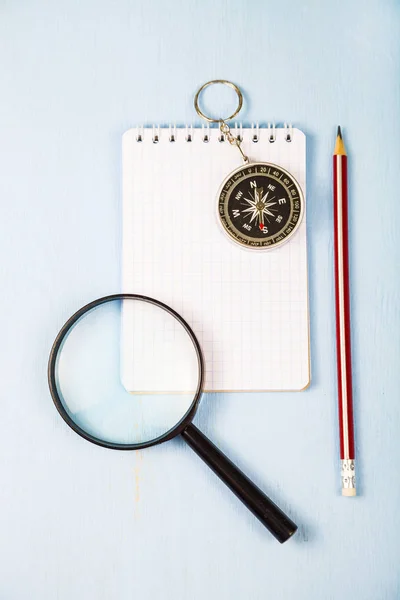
x,y
348,474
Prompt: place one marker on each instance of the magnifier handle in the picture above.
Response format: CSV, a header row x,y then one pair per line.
x,y
256,501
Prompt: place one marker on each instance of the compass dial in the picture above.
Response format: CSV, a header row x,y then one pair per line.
x,y
260,205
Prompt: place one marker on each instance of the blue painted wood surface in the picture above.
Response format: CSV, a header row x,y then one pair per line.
x,y
77,521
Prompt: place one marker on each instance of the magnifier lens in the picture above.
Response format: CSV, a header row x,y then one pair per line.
x,y
127,372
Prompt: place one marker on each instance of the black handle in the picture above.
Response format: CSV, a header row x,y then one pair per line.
x,y
260,505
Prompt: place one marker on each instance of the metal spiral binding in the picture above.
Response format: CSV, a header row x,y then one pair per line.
x,y
189,133
206,131
288,132
255,133
239,132
140,133
271,133
156,134
172,133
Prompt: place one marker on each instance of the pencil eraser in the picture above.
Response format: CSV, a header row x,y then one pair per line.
x,y
349,492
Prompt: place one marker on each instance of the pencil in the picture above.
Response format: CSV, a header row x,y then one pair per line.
x,y
342,302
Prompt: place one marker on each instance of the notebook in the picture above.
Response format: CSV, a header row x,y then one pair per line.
x,y
248,308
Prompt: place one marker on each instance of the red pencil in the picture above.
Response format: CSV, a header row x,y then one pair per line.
x,y
342,301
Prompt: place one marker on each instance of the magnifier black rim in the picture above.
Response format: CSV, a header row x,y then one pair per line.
x,y
171,433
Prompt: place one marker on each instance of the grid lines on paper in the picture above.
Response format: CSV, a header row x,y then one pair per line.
x,y
249,309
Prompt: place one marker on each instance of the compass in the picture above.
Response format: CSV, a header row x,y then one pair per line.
x,y
260,205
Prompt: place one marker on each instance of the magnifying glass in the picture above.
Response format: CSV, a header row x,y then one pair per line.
x,y
126,372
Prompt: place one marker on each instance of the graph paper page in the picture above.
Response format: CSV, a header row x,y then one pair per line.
x,y
248,308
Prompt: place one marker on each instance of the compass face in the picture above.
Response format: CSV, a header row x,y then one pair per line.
x,y
260,205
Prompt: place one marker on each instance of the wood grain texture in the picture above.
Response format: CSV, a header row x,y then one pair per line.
x,y
82,522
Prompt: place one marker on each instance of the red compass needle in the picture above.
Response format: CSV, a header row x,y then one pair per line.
x,y
257,198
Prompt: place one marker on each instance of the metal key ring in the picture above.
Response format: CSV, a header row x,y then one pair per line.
x,y
224,82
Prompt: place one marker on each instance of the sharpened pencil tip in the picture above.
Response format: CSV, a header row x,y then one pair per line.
x,y
339,146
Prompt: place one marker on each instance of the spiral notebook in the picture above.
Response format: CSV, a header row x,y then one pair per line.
x,y
249,309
